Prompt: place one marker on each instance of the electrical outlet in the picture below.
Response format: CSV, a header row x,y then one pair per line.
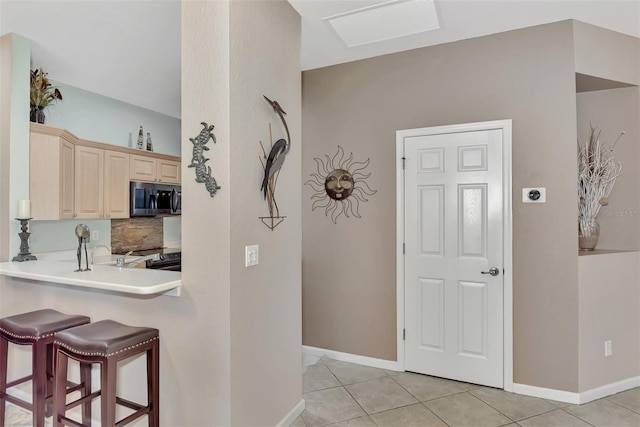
x,y
95,235
251,255
608,348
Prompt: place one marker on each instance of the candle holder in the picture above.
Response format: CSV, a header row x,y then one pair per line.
x,y
24,254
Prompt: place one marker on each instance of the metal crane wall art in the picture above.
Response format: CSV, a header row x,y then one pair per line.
x,y
272,163
198,160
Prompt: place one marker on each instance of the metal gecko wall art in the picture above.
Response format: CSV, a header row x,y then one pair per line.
x,y
272,163
339,185
198,160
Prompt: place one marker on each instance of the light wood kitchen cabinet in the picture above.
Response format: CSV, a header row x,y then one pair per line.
x,y
168,171
74,178
51,175
116,184
144,168
89,188
102,184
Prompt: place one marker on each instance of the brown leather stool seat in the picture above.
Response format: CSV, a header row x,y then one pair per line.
x,y
106,342
36,329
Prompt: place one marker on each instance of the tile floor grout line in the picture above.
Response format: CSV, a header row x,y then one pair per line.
x,y
356,400
581,419
490,406
321,389
405,389
532,416
390,409
446,395
436,415
619,404
418,399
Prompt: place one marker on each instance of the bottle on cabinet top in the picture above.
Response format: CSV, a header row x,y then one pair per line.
x,y
149,143
140,145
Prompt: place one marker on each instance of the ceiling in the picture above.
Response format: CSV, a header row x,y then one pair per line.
x,y
130,50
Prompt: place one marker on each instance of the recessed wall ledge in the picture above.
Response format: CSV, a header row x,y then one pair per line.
x,y
606,251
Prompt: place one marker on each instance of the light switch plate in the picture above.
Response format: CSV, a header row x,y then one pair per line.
x,y
534,195
251,255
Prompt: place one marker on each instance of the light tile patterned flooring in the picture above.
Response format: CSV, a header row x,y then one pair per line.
x,y
342,394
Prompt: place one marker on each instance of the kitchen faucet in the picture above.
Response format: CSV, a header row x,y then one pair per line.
x,y
137,261
94,249
120,261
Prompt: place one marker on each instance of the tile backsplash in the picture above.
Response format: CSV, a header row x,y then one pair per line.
x,y
136,234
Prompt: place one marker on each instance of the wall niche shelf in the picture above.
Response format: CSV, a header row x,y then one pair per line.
x,y
605,252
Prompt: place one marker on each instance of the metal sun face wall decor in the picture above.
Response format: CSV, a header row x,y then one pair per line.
x,y
339,185
272,163
198,160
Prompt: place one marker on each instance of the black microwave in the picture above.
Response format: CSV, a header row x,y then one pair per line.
x,y
150,199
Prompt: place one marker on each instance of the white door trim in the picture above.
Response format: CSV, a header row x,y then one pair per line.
x,y
506,127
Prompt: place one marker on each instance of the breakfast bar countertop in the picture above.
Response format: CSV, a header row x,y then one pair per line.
x,y
138,281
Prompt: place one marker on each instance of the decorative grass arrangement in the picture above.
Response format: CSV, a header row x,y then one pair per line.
x,y
43,93
597,174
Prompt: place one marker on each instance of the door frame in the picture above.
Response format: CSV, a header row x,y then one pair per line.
x,y
507,211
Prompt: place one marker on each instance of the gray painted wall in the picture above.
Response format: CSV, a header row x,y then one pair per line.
x,y
349,269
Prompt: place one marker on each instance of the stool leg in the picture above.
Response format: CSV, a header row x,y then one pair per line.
x,y
60,392
153,384
108,377
4,352
39,382
85,380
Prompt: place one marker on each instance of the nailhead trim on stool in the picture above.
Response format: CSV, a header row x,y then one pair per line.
x,y
36,329
107,342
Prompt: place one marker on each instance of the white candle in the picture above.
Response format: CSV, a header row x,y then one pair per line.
x,y
24,209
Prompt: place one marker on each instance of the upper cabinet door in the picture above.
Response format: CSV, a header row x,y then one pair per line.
x,y
142,168
168,171
67,180
116,184
51,176
89,182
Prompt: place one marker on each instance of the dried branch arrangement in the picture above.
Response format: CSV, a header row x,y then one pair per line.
x,y
597,174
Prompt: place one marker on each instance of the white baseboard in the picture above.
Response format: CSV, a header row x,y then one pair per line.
x,y
527,390
609,389
577,398
390,365
546,393
292,415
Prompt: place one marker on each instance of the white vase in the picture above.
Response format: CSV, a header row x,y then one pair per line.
x,y
588,234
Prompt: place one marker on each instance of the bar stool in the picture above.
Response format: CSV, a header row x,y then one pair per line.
x,y
36,329
107,342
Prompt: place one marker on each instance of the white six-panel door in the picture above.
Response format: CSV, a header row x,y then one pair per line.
x,y
453,235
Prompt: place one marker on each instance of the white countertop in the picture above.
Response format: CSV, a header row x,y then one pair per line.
x,y
139,281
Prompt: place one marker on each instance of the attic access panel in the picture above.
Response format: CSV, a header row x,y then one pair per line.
x,y
385,21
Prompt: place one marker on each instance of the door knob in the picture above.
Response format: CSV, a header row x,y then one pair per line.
x,y
494,271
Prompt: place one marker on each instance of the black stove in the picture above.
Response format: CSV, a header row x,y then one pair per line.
x,y
171,261
170,258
